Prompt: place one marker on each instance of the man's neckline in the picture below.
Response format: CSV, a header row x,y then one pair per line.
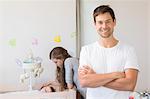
x,y
117,44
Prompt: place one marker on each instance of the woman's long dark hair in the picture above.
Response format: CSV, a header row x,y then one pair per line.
x,y
60,53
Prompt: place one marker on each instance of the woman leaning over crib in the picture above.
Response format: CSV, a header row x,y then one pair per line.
x,y
67,73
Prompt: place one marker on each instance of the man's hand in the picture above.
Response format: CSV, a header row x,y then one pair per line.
x,y
86,70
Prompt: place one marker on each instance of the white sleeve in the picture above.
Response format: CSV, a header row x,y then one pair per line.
x,y
131,59
83,57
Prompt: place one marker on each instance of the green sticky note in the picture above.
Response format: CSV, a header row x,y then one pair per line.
x,y
73,35
12,42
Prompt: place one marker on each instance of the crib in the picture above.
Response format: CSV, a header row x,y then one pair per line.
x,y
35,94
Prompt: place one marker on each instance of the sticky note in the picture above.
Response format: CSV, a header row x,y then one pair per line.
x,y
12,42
73,35
57,39
35,41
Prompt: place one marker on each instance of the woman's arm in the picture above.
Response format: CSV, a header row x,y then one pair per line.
x,y
69,73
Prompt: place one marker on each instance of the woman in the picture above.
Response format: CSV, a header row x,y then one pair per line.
x,y
67,72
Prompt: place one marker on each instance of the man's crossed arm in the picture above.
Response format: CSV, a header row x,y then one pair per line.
x,y
115,80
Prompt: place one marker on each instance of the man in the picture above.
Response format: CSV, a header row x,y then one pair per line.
x,y
108,67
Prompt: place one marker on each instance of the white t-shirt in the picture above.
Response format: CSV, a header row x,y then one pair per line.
x,y
107,60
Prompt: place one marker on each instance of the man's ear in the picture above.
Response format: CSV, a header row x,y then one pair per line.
x,y
94,23
114,22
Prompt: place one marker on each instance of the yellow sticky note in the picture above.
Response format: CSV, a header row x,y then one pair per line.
x,y
1,33
57,39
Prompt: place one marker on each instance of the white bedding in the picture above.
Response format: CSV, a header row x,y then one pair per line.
x,y
68,94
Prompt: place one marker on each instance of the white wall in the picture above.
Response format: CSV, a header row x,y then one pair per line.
x,y
149,46
31,24
132,27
